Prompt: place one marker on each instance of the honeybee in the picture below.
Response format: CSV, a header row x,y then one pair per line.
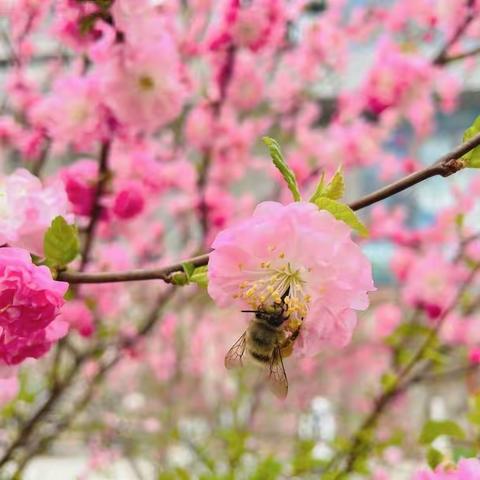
x,y
264,340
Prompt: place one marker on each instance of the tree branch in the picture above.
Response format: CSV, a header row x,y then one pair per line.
x,y
97,207
441,58
445,166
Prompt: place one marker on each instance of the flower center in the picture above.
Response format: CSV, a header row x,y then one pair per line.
x,y
146,83
270,285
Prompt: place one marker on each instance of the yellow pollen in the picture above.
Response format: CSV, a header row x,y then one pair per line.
x,y
146,82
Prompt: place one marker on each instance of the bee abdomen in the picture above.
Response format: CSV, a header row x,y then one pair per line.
x,y
260,357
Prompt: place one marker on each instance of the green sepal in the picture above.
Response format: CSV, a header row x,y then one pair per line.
x,y
200,276
60,243
472,158
435,428
179,278
335,189
188,268
285,170
343,213
191,274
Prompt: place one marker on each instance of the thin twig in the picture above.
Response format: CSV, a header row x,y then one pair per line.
x,y
442,55
97,207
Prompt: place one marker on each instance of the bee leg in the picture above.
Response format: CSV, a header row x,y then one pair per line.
x,y
286,346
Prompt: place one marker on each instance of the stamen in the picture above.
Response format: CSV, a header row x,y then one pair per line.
x,y
271,285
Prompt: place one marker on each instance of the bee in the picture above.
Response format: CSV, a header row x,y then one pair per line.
x,y
264,340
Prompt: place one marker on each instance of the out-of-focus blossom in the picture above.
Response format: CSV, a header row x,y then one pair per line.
x,y
200,127
80,318
27,210
387,317
80,179
467,469
9,388
77,119
246,87
431,283
30,301
129,200
252,26
143,92
303,250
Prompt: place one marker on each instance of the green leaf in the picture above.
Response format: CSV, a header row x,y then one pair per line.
x,y
342,212
282,166
60,243
472,158
435,428
462,451
434,457
268,469
474,413
199,276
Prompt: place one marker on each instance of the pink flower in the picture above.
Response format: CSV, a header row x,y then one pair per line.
x,y
431,283
387,317
467,469
143,85
246,87
200,127
474,356
80,180
9,388
27,210
79,317
300,248
30,300
68,118
129,200
253,26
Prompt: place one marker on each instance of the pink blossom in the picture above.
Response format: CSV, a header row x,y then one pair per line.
x,y
387,317
199,127
72,119
431,283
27,210
467,469
29,303
76,314
129,200
80,180
300,248
142,91
246,87
474,356
253,26
9,388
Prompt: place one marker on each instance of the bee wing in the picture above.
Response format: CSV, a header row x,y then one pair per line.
x,y
276,376
234,356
